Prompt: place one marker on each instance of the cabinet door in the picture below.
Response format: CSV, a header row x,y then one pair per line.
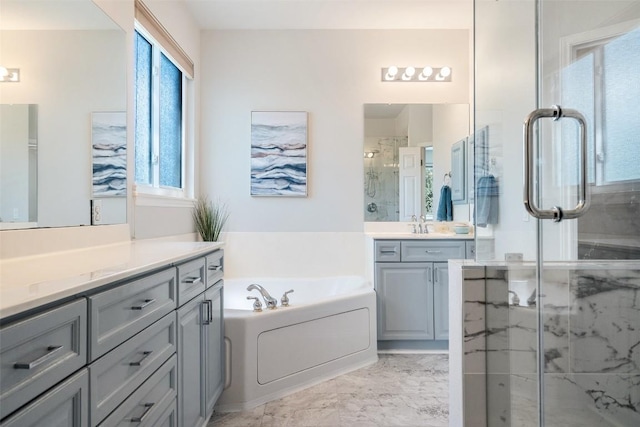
x,y
214,346
405,301
441,300
66,405
191,380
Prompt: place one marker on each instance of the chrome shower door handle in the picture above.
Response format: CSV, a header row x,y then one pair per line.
x,y
556,213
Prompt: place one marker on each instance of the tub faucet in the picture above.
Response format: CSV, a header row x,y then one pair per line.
x,y
270,301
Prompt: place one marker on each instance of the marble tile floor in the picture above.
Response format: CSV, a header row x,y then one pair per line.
x,y
410,390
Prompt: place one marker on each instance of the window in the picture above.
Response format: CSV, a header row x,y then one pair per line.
x,y
162,78
607,67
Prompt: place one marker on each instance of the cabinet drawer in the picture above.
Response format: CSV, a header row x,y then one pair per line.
x,y
419,251
170,416
215,267
120,313
116,375
40,351
65,405
191,277
149,402
387,250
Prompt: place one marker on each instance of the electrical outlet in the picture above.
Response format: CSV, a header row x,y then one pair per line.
x,y
96,212
513,257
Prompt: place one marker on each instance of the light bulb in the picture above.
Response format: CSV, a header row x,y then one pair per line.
x,y
445,71
408,73
426,73
3,71
391,73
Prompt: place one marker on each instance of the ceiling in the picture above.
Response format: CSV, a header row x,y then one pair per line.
x,y
332,14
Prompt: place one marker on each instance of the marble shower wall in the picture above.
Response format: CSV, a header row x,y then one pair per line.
x,y
591,317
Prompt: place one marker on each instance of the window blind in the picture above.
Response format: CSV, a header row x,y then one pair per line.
x,y
146,18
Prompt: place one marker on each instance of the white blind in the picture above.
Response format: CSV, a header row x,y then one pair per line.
x,y
144,16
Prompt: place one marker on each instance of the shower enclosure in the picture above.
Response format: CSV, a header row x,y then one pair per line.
x,y
557,91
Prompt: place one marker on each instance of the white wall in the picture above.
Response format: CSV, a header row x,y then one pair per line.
x,y
330,74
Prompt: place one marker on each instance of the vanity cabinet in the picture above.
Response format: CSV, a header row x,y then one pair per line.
x,y
412,286
201,349
145,351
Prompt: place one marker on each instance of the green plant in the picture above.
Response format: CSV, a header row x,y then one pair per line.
x,y
209,218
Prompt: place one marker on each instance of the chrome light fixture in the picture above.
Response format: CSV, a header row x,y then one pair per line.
x,y
413,74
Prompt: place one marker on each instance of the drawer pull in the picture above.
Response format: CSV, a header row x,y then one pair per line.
x,y
433,252
51,351
388,252
193,280
143,305
145,354
141,418
215,268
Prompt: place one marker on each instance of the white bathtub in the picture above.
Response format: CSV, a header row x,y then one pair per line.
x,y
328,329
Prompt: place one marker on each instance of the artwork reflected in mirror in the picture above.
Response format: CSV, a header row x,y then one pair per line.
x,y
406,147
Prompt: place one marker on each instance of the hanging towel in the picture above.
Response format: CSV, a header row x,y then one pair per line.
x,y
445,207
487,201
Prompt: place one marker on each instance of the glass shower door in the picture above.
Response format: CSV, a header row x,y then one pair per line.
x,y
584,164
562,311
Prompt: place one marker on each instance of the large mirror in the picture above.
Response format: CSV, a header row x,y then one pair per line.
x,y
407,159
70,62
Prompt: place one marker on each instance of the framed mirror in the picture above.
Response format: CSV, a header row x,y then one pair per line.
x,y
72,63
407,158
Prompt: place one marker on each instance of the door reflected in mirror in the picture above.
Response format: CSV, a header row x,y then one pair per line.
x,y
18,166
406,147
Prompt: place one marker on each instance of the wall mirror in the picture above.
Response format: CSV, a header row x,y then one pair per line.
x,y
407,158
72,64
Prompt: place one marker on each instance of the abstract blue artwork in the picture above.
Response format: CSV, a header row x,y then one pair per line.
x,y
109,153
279,153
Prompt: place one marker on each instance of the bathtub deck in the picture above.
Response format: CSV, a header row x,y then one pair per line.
x,y
400,390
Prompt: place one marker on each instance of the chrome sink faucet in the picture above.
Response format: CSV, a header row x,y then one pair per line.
x,y
270,301
423,225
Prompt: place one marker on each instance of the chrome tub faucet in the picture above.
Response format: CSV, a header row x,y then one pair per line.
x,y
270,301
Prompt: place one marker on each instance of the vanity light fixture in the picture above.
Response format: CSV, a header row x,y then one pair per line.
x,y
413,74
369,154
9,75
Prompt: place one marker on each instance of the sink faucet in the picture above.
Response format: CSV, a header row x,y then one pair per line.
x,y
270,301
423,225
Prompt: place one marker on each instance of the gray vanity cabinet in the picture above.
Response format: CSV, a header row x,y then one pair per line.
x,y
214,344
191,378
66,405
201,350
405,301
441,300
412,286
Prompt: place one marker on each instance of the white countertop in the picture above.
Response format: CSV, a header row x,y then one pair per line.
x,y
418,236
29,282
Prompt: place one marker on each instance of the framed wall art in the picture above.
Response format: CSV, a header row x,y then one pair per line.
x,y
109,154
279,153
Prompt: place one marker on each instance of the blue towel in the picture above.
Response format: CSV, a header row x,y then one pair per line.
x,y
445,207
487,201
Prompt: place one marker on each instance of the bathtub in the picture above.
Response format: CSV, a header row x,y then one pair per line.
x,y
328,329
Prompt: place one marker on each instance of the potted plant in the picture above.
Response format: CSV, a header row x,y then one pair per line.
x,y
209,218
